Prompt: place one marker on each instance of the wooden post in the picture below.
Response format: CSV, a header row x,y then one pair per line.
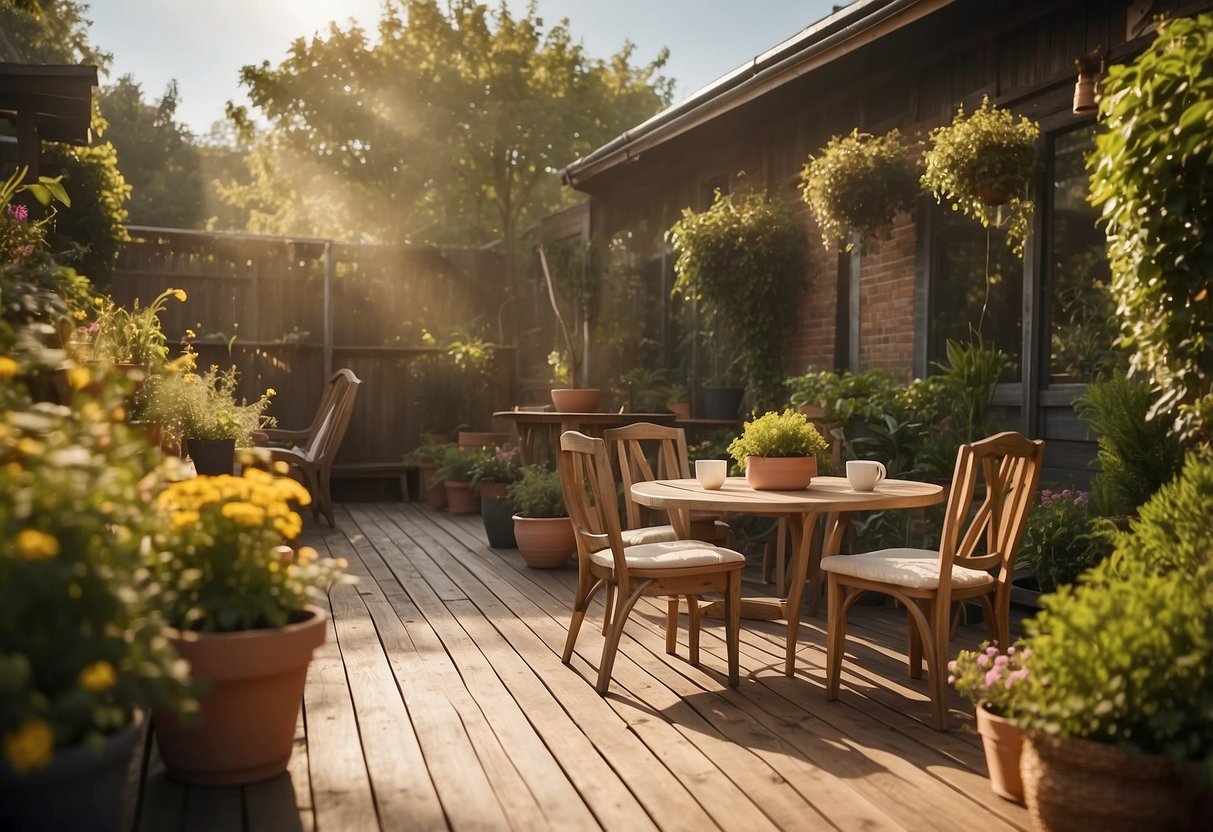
x,y
328,308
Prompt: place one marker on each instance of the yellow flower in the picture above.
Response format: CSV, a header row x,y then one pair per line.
x,y
270,392
28,446
306,555
30,747
184,519
190,334
78,315
36,545
179,294
8,367
79,377
98,677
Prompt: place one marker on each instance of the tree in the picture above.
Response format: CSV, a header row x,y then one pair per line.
x,y
156,155
448,130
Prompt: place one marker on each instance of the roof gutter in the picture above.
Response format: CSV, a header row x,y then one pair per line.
x,y
840,34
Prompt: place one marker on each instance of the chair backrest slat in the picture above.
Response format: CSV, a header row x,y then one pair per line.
x,y
588,485
646,452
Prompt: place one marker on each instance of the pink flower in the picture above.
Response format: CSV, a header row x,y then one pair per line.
x,y
983,661
1015,676
992,676
17,212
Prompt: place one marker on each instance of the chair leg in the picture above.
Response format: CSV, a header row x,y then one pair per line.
x,y
732,625
915,645
930,638
836,627
611,645
581,603
692,628
608,605
671,625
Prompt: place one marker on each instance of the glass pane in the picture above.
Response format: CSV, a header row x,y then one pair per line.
x,y
1081,316
968,297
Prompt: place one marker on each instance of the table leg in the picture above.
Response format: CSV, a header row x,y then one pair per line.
x,y
802,538
526,443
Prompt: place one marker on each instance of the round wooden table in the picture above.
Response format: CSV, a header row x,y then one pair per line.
x,y
831,496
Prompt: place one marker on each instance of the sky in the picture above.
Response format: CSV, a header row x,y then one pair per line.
x,y
203,45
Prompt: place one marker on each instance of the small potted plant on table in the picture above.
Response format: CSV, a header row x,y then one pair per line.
x,y
541,522
778,451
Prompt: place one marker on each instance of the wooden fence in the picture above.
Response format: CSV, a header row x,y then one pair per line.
x,y
286,312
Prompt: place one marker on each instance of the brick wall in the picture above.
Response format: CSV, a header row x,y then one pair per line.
x,y
886,301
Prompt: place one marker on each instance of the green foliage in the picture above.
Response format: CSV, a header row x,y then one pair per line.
x,y
859,183
777,434
537,493
458,465
500,465
188,405
428,453
643,390
450,384
984,165
1138,452
50,32
1061,541
131,335
444,127
156,155
1152,178
1174,530
79,648
92,230
743,259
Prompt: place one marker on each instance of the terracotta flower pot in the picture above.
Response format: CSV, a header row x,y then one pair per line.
x,y
545,542
255,680
1002,741
769,473
434,493
576,399
681,410
460,499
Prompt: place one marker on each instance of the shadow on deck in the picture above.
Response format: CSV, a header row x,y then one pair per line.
x,y
439,701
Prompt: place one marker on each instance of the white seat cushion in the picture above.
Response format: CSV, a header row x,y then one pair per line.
x,y
673,554
661,534
911,568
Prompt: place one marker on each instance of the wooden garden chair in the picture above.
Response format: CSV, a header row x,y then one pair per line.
x,y
927,582
673,568
317,446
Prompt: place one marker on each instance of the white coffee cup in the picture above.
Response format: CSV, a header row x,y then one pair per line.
x,y
711,473
863,474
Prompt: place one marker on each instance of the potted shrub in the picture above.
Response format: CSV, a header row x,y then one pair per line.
x,y
81,652
990,679
455,474
742,260
492,474
427,457
678,401
130,336
241,606
1119,705
541,522
778,451
858,184
983,164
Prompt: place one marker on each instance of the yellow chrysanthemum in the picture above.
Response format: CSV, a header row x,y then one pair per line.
x,y
184,519
37,545
79,315
8,367
30,747
98,677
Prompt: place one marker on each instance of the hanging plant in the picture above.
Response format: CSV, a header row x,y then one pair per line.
x,y
859,183
984,165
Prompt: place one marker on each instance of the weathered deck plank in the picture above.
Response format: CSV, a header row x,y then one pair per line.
x,y
439,701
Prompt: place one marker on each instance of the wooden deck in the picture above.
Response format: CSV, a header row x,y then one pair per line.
x,y
439,701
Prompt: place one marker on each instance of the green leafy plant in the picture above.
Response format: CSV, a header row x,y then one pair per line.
x,y
500,465
991,677
984,165
428,453
743,260
217,567
132,336
1152,177
643,390
1138,450
859,183
1125,656
449,383
188,405
80,647
779,435
1061,541
457,465
537,493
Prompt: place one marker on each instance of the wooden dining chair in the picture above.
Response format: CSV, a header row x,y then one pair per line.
x,y
644,452
974,541
671,568
317,447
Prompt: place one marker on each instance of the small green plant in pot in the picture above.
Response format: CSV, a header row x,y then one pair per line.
x,y
541,522
455,473
778,451
984,165
859,183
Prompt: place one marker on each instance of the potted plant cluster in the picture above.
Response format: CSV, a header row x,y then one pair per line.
x,y
858,184
990,678
778,451
455,474
82,654
203,412
541,522
242,607
492,474
984,164
1117,710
